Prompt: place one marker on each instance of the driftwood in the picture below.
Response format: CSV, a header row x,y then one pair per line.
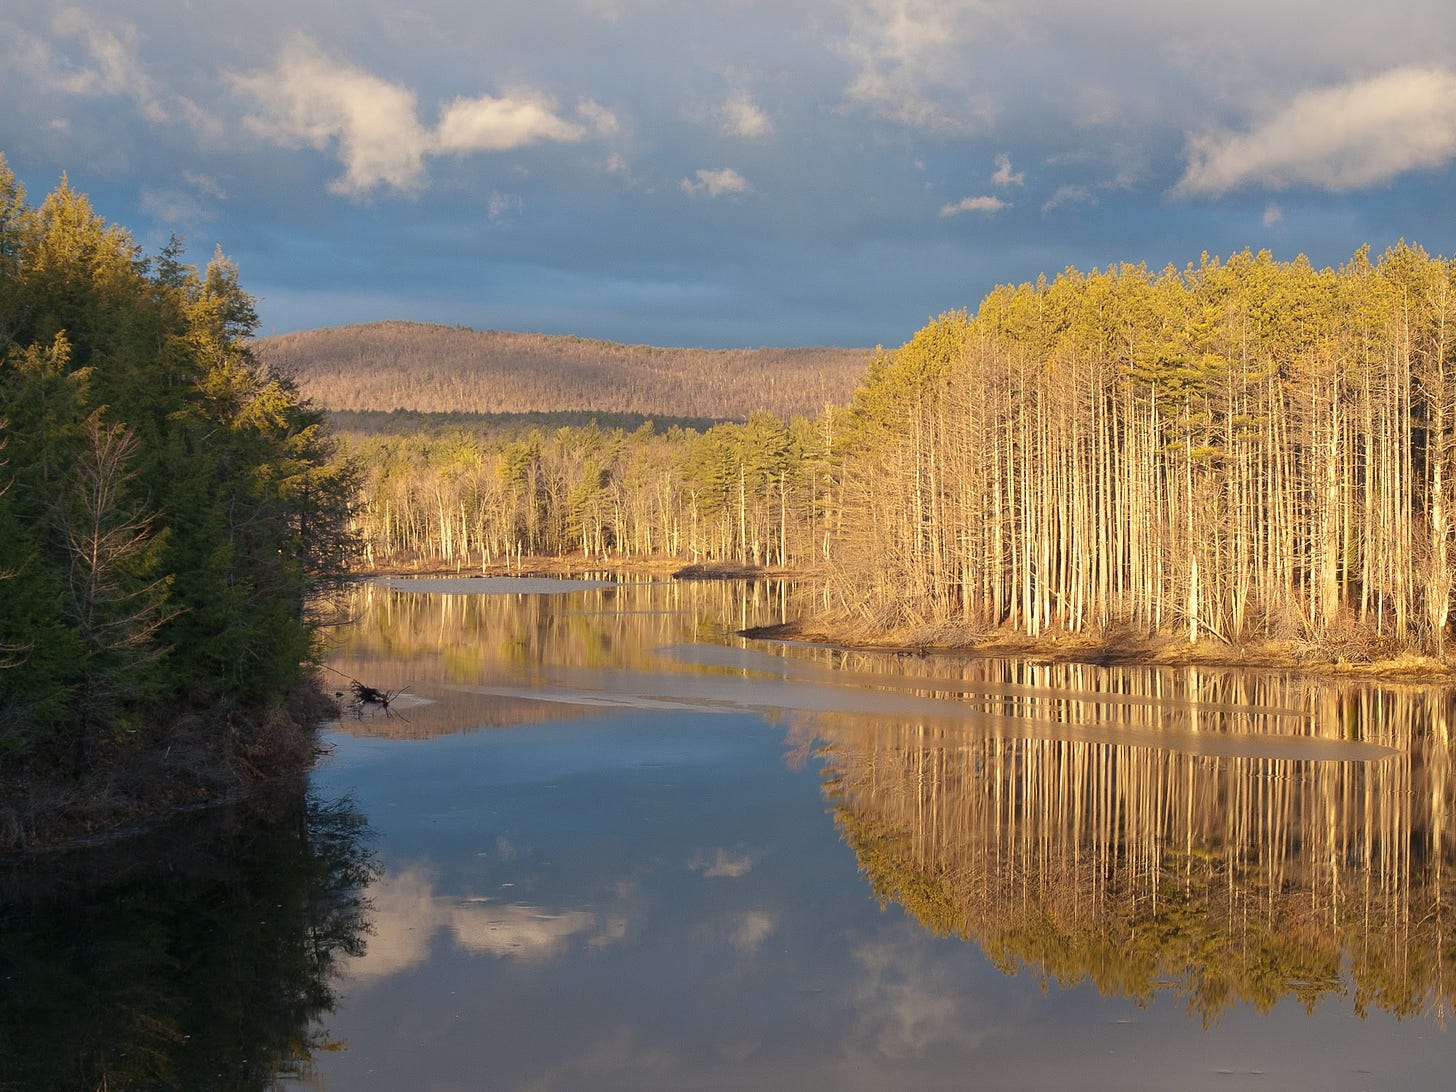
x,y
369,695
366,696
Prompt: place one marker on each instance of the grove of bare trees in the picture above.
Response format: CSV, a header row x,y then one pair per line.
x,y
1243,449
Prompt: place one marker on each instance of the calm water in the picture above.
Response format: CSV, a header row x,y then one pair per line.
x,y
598,842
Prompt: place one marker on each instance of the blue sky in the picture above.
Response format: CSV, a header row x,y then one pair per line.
x,y
783,172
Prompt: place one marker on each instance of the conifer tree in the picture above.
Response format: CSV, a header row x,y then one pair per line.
x,y
169,504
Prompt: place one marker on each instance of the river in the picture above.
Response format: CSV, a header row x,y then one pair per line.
x,y
598,841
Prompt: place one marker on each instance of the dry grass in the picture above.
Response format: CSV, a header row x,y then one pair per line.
x,y
1119,645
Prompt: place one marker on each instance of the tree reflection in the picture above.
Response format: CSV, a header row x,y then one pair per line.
x,y
1220,877
198,958
434,643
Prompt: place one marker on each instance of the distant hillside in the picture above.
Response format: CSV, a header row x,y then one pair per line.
x,y
387,366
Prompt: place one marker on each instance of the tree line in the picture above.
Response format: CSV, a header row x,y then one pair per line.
x,y
754,493
1241,450
167,502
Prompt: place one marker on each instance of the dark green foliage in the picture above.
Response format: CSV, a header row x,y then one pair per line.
x,y
201,958
169,503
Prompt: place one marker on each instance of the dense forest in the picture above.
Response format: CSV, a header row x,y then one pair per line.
x,y
1242,450
472,498
384,366
1245,449
167,506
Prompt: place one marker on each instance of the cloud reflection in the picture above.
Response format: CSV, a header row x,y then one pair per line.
x,y
409,915
905,1003
721,863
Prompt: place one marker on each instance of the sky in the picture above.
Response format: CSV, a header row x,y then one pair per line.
x,y
730,173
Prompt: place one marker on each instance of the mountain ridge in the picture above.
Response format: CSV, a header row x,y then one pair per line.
x,y
395,364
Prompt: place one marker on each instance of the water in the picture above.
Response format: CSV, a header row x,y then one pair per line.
x,y
599,842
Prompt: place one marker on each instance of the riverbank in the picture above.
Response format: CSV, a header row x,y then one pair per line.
x,y
1350,658
1120,649
48,804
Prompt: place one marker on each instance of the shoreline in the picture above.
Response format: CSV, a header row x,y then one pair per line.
x,y
1265,656
48,807
45,808
1121,650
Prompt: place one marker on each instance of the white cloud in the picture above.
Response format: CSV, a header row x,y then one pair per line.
x,y
912,64
1004,175
309,99
500,206
175,209
1340,138
742,117
109,68
723,182
205,184
602,120
1272,214
986,203
1069,195
114,69
490,124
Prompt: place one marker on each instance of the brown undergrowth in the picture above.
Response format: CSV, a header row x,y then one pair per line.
x,y
1124,646
47,803
1345,651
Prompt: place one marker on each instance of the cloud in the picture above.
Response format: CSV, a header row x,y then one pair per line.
x,y
742,118
205,184
309,99
1272,214
602,120
500,206
912,65
177,209
489,124
110,68
1004,175
719,183
986,203
1069,195
1339,138
525,933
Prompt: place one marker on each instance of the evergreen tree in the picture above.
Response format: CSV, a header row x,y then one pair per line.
x,y
168,505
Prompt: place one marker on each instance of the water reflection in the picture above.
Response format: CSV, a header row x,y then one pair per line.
x,y
632,882
471,659
200,957
409,914
1220,875
1220,835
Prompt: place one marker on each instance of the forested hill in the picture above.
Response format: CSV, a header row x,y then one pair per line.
x,y
453,369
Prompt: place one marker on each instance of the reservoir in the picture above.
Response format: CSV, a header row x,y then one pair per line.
x,y
598,841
